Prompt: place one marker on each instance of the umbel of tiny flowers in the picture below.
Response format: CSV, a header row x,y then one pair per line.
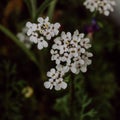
x,y
42,31
56,78
70,52
23,37
102,6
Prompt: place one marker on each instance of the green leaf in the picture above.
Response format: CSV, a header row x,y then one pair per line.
x,y
43,6
20,44
100,24
27,2
51,9
86,101
31,5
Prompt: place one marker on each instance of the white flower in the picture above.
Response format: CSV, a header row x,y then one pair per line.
x,y
85,42
53,74
62,70
72,67
33,38
24,38
43,21
73,52
87,61
42,43
103,6
31,28
49,84
60,84
42,31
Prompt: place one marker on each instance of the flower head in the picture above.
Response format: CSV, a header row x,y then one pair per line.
x,y
103,6
55,79
42,31
68,50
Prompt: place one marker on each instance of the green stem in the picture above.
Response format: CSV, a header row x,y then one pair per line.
x,y
51,9
42,66
33,7
42,7
12,37
82,113
27,2
94,14
72,98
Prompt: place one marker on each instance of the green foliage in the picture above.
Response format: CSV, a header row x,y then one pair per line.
x,y
82,103
36,12
12,100
20,44
10,93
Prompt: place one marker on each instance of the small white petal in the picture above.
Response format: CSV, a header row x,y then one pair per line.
x,y
76,32
83,69
57,25
48,37
69,35
57,87
63,85
29,32
40,46
106,13
21,36
28,24
63,36
52,70
55,46
57,61
40,19
46,19
81,35
34,27
73,70
45,44
82,50
47,84
33,39
49,74
82,62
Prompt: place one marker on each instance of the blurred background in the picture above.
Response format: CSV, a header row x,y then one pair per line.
x,y
96,94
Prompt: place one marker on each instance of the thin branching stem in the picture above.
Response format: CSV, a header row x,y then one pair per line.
x,y
72,98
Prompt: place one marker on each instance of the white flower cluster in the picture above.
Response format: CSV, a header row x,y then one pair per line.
x,y
103,6
42,31
56,78
70,54
22,36
71,51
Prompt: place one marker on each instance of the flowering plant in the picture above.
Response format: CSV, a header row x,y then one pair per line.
x,y
55,77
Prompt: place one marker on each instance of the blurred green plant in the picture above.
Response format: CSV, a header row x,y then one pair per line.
x,y
10,92
81,106
12,99
19,43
